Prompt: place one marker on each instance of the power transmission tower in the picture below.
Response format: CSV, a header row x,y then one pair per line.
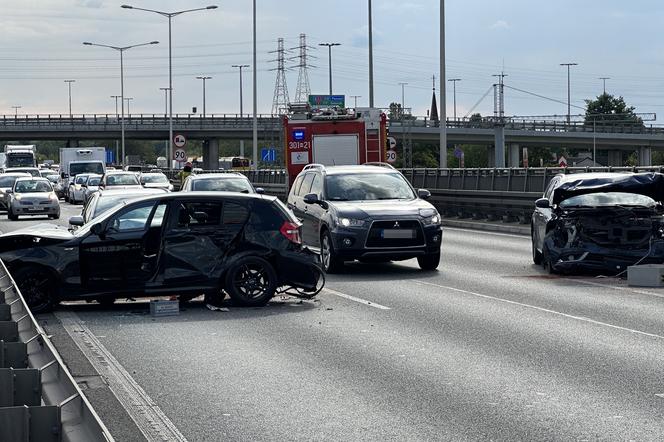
x,y
280,101
303,88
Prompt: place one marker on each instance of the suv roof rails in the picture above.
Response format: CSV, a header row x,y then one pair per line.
x,y
313,166
379,164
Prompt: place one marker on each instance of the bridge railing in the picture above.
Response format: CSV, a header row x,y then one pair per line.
x,y
273,122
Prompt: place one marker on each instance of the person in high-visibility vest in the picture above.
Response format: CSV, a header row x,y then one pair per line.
x,y
185,172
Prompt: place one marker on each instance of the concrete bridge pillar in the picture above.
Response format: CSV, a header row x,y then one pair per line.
x,y
514,156
500,146
211,155
645,157
491,156
614,158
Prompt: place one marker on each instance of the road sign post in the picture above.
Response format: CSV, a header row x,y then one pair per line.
x,y
179,141
180,155
391,156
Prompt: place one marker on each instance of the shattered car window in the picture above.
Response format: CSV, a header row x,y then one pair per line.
x,y
608,199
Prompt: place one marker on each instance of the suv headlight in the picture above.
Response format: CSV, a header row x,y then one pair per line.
x,y
431,217
350,222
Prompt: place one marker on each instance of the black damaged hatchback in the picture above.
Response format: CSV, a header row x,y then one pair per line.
x,y
248,246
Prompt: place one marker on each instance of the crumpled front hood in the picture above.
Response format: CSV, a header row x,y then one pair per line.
x,y
44,230
364,209
649,184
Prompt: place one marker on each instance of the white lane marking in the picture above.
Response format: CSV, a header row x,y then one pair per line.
x,y
615,287
147,415
542,309
477,231
353,298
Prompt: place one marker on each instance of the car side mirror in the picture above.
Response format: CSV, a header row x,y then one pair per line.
x,y
97,229
260,190
310,198
423,194
84,186
543,203
64,175
78,221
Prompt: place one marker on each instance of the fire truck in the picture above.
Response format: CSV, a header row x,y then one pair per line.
x,y
333,137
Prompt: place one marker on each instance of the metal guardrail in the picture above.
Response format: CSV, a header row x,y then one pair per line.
x,y
39,399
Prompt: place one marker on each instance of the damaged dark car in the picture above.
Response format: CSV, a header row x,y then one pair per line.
x,y
246,246
599,222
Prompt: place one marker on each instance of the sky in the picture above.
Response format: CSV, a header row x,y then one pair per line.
x,y
41,46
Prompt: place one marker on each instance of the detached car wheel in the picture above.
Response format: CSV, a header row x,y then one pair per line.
x,y
331,263
251,282
429,262
37,286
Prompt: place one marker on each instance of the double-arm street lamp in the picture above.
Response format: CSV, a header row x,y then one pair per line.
x,y
203,77
69,82
240,67
329,51
170,16
121,50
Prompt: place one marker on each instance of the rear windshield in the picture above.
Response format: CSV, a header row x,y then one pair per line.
x,y
127,179
158,179
94,181
608,199
76,168
33,172
223,184
7,181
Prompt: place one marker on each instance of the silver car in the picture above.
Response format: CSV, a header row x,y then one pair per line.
x,y
155,181
91,186
33,196
7,181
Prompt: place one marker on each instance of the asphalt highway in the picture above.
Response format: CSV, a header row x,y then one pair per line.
x,y
486,348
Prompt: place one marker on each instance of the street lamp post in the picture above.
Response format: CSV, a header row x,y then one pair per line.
x,y
170,16
121,50
204,78
16,108
454,82
116,104
329,49
69,82
240,67
254,130
442,162
403,95
569,101
165,89
371,73
128,99
355,97
604,83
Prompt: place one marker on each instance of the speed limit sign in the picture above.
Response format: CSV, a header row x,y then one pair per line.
x,y
391,156
179,155
179,140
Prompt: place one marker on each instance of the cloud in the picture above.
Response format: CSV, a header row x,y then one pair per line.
x,y
500,25
95,4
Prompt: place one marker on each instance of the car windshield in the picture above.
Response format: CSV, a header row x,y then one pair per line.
x,y
81,179
51,178
124,179
367,186
159,179
32,186
76,168
7,181
608,199
223,184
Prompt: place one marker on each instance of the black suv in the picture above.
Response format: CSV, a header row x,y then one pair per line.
x,y
367,212
188,244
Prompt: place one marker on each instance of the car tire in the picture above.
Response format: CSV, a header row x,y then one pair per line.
x,y
56,216
537,255
251,282
331,263
11,216
106,301
429,262
37,285
546,261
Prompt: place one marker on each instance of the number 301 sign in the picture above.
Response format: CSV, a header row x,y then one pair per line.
x,y
179,155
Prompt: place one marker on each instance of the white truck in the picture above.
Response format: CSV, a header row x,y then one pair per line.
x,y
20,156
77,160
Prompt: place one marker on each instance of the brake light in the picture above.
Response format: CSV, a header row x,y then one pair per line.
x,y
291,231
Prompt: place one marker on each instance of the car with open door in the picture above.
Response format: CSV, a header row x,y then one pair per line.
x,y
186,244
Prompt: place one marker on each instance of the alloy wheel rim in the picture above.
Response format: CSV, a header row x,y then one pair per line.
x,y
34,290
252,281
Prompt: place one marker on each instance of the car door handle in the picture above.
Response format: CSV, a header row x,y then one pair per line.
x,y
150,256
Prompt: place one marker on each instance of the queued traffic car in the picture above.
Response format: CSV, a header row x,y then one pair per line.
x,y
184,244
155,180
219,182
77,190
599,222
119,180
33,196
90,187
7,181
368,213
102,201
33,171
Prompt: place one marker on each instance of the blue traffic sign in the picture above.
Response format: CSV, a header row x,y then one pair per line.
x,y
269,155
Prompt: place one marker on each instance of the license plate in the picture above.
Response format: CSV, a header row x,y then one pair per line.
x,y
35,209
398,234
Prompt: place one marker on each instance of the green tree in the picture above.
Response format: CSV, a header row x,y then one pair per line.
x,y
607,109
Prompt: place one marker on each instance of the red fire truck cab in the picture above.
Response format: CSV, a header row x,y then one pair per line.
x,y
334,137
